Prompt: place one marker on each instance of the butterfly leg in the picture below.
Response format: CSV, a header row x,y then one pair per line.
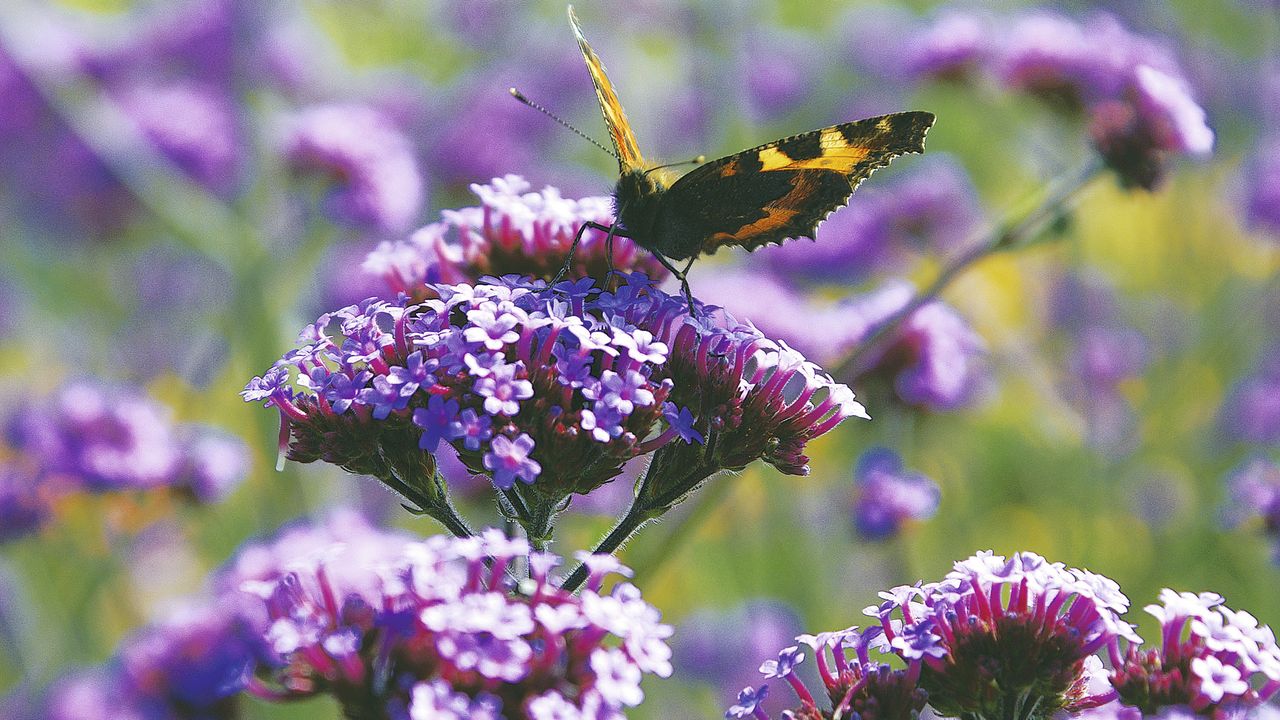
x,y
682,276
577,238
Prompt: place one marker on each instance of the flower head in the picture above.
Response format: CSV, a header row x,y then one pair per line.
x,y
888,495
1211,659
854,682
554,386
99,438
513,230
1254,489
1251,411
997,631
438,630
369,161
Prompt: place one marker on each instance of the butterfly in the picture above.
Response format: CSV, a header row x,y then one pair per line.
x,y
767,194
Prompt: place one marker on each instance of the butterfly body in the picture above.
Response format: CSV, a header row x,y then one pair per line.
x,y
764,195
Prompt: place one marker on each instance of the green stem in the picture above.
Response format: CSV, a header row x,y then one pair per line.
x,y
440,508
1003,237
680,529
631,521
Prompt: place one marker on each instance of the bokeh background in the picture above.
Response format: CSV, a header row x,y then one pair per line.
x,y
184,184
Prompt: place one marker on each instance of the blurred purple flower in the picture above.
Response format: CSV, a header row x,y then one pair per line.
x,y
512,231
723,647
953,44
887,495
25,502
781,72
1077,63
216,464
1251,411
1254,492
369,162
199,658
193,126
1262,179
99,438
934,359
440,623
931,207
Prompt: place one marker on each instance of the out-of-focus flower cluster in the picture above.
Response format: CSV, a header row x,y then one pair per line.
x,y
1137,100
388,626
557,385
887,495
88,437
438,630
512,231
1019,638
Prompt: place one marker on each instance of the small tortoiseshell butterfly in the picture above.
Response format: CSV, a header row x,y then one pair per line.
x,y
767,194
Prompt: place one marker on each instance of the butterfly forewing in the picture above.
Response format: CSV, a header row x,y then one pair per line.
x,y
782,189
624,141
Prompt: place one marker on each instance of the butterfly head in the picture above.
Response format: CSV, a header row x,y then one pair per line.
x,y
635,198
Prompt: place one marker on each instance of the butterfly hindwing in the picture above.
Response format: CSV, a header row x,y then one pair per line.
x,y
782,189
624,141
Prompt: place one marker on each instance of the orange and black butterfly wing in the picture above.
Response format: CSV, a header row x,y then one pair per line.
x,y
624,141
782,189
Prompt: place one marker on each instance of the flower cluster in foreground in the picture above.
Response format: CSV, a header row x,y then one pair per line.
x,y
550,387
1019,638
441,631
513,230
94,438
389,627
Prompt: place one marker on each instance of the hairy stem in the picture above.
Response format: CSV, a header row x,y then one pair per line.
x,y
631,521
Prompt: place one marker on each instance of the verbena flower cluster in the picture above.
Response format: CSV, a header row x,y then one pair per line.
x,y
513,230
90,437
1138,102
1019,638
438,630
1211,661
556,385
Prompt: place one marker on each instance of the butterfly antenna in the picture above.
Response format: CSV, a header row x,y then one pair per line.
x,y
520,96
691,161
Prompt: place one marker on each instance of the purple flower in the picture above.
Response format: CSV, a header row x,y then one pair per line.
x,y
508,460
194,126
1211,659
371,163
1262,187
1251,411
502,390
512,231
781,72
216,465
101,439
658,374
199,657
437,420
888,495
857,685
440,622
997,631
953,44
1254,492
25,503
933,359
